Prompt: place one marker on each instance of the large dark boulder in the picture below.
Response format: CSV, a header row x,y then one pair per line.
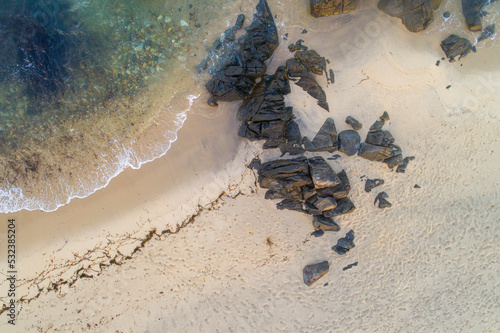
x,y
416,15
321,8
349,142
473,13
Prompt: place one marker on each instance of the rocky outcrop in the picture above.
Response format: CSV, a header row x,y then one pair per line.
x,y
416,15
321,8
235,75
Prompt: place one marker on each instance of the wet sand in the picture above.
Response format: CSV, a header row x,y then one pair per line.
x,y
429,263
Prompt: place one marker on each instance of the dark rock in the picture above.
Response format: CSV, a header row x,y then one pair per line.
x,y
473,13
255,164
344,244
235,75
356,125
455,46
271,195
350,266
325,140
325,224
448,86
304,31
394,161
487,32
334,157
382,202
416,186
292,140
321,173
438,62
317,233
344,206
295,68
416,15
297,46
323,204
290,204
374,153
372,183
349,142
446,14
312,61
331,79
379,138
385,116
377,125
312,87
313,273
402,167
321,8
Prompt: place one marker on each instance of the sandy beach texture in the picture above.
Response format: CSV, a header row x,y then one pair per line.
x,y
221,258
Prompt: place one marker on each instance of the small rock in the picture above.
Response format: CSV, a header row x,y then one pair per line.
x,y
349,142
372,183
402,168
317,233
382,202
377,125
313,273
385,116
325,224
334,157
356,125
344,244
416,186
448,86
438,62
350,266
446,14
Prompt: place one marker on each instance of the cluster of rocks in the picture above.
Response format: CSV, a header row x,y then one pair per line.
x,y
244,61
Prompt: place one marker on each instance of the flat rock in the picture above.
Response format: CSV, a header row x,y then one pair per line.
x,y
374,153
456,47
325,224
311,60
349,142
326,139
321,173
321,8
344,244
313,273
356,125
416,15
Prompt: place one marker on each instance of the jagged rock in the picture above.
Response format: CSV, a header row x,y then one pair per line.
x,y
349,142
312,87
394,161
298,46
356,125
382,202
377,125
325,224
325,140
237,71
313,273
402,167
321,173
312,61
321,8
379,138
455,46
372,183
290,204
374,153
385,116
344,244
487,32
416,15
473,13
344,206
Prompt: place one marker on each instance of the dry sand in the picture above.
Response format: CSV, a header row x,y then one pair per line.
x,y
429,263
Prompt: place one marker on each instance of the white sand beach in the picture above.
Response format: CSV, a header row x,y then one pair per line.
x,y
188,243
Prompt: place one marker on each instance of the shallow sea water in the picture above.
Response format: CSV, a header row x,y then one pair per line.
x,y
89,88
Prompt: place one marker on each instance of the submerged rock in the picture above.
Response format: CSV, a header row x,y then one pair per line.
x,y
372,183
455,46
313,273
321,8
487,32
416,15
237,71
356,125
349,142
344,244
